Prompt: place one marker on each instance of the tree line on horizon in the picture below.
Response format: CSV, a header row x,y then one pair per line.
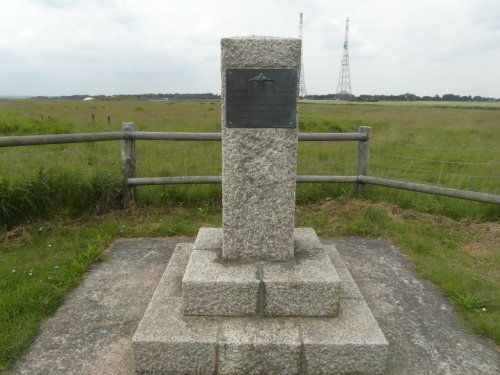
x,y
362,98
404,97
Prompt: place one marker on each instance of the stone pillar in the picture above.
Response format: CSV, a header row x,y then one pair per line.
x,y
259,147
258,296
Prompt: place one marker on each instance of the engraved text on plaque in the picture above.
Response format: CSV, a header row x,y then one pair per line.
x,y
261,98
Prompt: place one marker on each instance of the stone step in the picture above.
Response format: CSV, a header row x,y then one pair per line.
x,y
308,285
169,342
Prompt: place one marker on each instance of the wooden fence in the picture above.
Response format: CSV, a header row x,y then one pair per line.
x,y
129,136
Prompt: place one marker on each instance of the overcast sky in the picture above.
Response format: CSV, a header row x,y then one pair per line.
x,y
426,47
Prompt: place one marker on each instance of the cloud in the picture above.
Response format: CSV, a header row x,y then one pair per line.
x,y
70,4
131,46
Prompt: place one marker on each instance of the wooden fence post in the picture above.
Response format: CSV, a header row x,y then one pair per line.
x,y
363,157
128,165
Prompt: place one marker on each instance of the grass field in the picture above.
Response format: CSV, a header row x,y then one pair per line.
x,y
57,202
455,146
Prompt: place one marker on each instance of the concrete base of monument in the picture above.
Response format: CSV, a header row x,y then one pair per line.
x,y
168,341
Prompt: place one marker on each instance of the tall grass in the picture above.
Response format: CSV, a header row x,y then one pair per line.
x,y
409,142
50,191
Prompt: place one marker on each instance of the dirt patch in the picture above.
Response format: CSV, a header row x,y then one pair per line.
x,y
15,236
481,238
489,231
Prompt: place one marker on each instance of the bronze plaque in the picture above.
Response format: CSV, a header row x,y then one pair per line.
x,y
261,98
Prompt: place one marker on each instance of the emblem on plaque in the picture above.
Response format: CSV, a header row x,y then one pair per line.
x,y
261,78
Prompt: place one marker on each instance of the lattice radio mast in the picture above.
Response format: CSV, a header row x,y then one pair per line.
x,y
302,85
344,85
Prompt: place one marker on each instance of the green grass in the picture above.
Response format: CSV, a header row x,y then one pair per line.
x,y
35,276
421,142
49,258
49,192
462,259
40,262
50,195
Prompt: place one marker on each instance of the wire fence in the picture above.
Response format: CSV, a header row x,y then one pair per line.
x,y
474,168
83,158
204,159
169,159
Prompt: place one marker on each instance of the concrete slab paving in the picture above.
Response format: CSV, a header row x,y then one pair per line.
x,y
420,324
91,332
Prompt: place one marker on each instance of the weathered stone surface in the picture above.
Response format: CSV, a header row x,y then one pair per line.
x,y
259,346
213,288
259,165
175,270
169,342
334,255
305,286
260,52
348,286
305,239
258,193
351,343
308,286
173,281
181,254
208,239
166,341
425,334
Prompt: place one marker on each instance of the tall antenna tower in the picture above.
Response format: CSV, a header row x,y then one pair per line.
x,y
302,85
344,85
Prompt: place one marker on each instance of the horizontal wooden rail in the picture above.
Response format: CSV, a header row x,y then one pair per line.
x,y
137,181
432,189
333,137
396,184
324,179
363,137
32,140
175,136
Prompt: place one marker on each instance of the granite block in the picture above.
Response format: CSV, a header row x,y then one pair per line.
x,y
348,286
258,164
260,52
175,269
259,346
181,254
208,239
214,288
334,255
308,286
306,239
167,342
352,343
259,169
